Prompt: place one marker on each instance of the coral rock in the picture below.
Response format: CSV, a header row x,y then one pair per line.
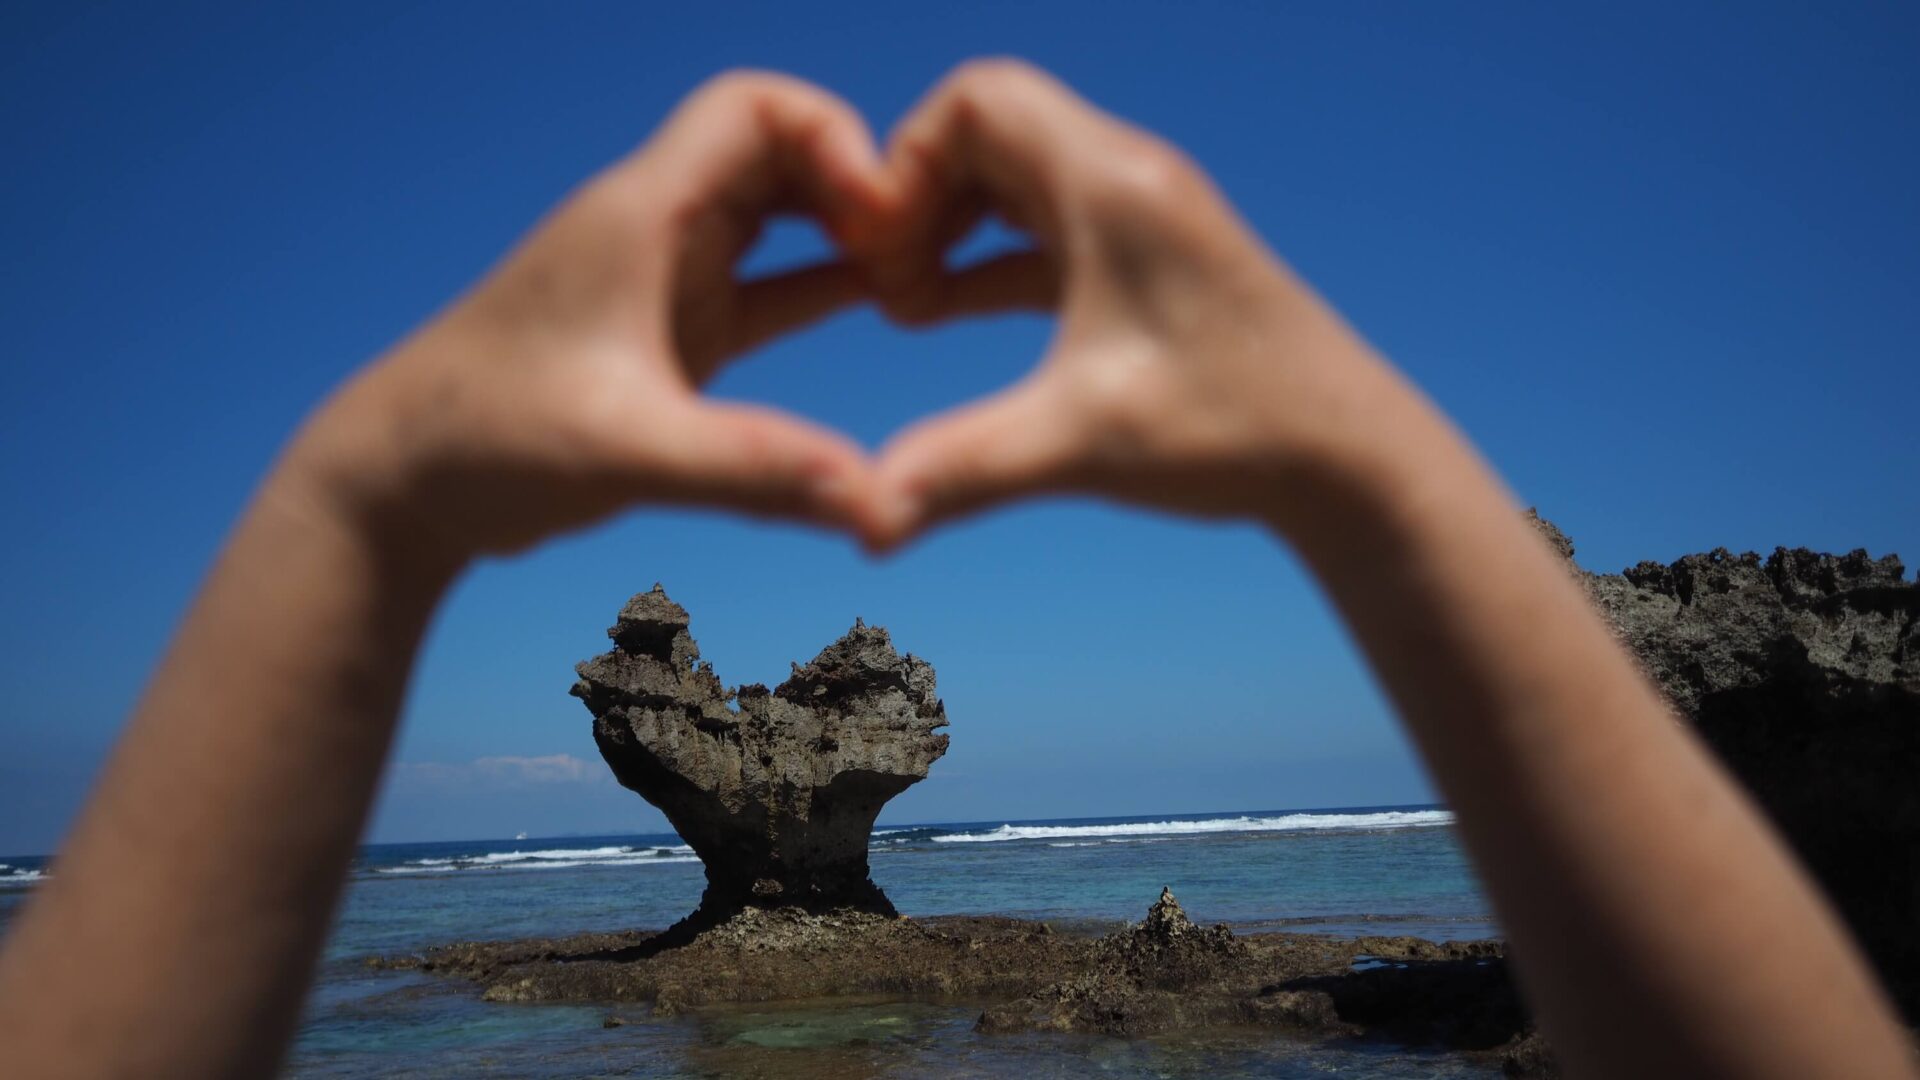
x,y
1160,974
776,790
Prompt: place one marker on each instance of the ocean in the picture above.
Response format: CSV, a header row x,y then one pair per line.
x,y
1355,870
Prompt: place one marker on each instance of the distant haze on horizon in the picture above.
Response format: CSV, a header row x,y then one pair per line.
x,y
1660,263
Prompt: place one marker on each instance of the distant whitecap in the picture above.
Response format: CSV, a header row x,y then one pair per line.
x,y
1384,819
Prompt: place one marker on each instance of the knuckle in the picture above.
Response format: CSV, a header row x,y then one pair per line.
x,y
778,100
621,213
982,80
1125,400
752,90
737,85
994,71
1145,173
754,454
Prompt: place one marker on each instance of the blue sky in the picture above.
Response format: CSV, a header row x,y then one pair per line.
x,y
1659,260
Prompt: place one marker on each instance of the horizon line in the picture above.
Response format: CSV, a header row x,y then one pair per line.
x,y
1154,814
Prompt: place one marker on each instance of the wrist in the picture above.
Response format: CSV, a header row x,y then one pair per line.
x,y
304,500
1376,469
353,469
1342,442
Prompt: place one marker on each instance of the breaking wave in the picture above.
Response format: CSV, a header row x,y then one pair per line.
x,y
546,859
14,875
908,834
1385,819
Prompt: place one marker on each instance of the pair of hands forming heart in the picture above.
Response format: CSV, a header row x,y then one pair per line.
x,y
1190,370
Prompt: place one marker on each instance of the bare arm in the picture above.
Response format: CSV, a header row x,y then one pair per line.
x,y
204,870
1659,926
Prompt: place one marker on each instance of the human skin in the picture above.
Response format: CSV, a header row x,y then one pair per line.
x,y
1191,372
178,931
1659,926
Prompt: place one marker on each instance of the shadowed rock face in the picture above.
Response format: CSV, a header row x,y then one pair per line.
x,y
1802,671
775,790
1160,974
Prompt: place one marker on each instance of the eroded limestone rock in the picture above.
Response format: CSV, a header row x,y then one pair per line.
x,y
1802,671
1161,975
776,790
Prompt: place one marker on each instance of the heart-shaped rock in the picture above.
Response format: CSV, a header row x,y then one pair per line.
x,y
776,790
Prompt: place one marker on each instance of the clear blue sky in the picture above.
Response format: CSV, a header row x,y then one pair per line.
x,y
1660,260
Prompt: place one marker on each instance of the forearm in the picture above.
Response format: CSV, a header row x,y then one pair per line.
x,y
181,921
180,924
1630,873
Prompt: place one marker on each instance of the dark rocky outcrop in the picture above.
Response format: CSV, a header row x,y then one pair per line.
x,y
1161,975
1167,974
776,790
1802,671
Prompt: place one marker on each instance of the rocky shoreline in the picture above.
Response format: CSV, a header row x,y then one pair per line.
x,y
777,792
1162,975
1801,671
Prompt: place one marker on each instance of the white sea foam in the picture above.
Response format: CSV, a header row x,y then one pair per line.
x,y
549,864
899,833
547,859
523,856
1384,819
649,860
21,877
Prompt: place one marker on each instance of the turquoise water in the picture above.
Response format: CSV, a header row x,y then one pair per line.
x,y
1361,870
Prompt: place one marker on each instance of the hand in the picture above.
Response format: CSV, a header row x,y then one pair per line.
x,y
1190,370
563,387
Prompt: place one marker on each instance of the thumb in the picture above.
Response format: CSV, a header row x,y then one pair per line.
x,y
1019,442
764,462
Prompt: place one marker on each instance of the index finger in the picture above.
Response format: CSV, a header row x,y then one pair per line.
x,y
998,135
753,143
1004,127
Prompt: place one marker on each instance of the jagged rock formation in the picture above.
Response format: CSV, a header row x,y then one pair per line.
x,y
1161,975
1165,974
776,790
1802,671
1149,978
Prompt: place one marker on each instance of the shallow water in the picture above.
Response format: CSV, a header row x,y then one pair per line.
x,y
1372,870
828,1042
